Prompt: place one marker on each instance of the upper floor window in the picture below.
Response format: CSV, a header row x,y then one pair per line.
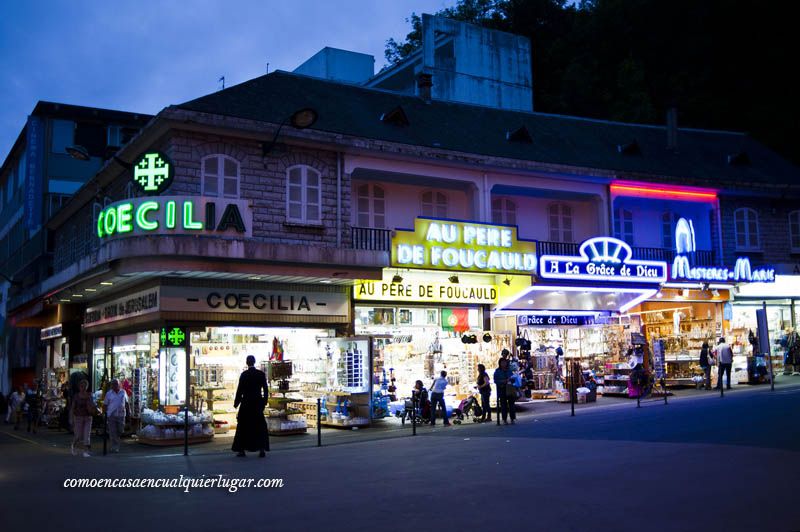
x,y
63,135
21,171
794,230
669,221
623,225
371,206
118,136
434,204
220,176
303,195
560,217
504,211
745,222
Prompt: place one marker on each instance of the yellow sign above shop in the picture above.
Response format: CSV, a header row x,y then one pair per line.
x,y
422,292
463,246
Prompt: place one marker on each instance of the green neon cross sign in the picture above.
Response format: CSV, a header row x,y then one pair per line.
x,y
153,173
173,337
176,336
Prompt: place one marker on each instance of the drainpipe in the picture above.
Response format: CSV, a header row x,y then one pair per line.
x,y
338,199
719,232
486,200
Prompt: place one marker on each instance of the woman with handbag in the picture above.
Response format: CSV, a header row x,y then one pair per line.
x,y
485,389
83,408
506,391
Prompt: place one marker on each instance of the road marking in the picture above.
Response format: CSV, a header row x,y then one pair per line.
x,y
21,438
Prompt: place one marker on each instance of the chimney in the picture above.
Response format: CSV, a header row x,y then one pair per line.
x,y
672,128
424,84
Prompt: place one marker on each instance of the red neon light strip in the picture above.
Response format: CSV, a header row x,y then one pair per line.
x,y
663,193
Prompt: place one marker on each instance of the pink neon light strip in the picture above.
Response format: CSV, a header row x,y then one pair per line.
x,y
636,190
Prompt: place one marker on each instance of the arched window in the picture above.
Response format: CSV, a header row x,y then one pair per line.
x,y
794,230
504,211
303,195
560,217
370,206
434,204
623,225
745,222
220,176
669,220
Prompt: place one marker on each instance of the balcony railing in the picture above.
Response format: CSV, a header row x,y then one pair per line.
x,y
372,239
702,258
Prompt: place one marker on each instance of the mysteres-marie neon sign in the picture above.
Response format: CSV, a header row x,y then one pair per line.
x,y
603,259
682,270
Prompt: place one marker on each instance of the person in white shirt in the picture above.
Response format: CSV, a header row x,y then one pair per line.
x,y
437,397
724,355
116,406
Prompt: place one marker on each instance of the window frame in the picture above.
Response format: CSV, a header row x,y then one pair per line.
x,y
304,187
372,199
750,217
563,211
504,210
619,225
220,176
435,204
668,228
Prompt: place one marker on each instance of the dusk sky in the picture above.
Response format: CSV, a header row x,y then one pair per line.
x,y
142,56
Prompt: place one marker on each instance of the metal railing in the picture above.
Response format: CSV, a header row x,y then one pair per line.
x,y
371,238
699,258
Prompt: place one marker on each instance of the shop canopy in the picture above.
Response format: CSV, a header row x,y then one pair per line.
x,y
576,298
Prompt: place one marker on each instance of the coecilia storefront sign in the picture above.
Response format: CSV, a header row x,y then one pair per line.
x,y
463,246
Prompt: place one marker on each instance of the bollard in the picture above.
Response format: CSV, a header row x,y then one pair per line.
x,y
719,383
498,406
319,423
572,389
186,429
105,433
664,389
414,416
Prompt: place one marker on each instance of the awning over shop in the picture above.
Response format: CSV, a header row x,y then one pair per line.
x,y
785,286
576,298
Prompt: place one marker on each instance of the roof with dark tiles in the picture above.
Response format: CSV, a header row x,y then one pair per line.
x,y
701,156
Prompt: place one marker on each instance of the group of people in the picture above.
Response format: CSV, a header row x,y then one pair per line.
x,y
24,404
722,354
507,379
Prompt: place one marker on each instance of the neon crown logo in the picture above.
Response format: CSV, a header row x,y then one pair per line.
x,y
153,173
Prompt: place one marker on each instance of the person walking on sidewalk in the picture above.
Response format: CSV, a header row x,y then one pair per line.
x,y
252,394
705,365
14,405
117,406
506,392
83,408
33,401
485,389
437,398
724,355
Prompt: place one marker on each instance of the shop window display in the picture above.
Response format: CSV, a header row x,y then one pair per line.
x,y
599,349
420,343
683,327
743,337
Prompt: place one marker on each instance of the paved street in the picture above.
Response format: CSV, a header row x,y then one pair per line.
x,y
699,463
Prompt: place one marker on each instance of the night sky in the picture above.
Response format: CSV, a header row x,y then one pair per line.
x,y
143,55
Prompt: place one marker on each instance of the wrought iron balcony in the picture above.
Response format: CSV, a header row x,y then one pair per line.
x,y
371,238
703,258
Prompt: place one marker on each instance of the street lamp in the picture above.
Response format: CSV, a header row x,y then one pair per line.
x,y
300,119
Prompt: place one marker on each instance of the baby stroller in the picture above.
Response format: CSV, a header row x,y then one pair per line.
x,y
467,406
422,413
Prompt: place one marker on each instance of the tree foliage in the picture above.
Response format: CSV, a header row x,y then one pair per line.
x,y
725,64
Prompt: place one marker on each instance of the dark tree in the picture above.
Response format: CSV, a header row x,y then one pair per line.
x,y
725,64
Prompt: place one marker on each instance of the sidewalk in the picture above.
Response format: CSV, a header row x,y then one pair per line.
x,y
55,441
